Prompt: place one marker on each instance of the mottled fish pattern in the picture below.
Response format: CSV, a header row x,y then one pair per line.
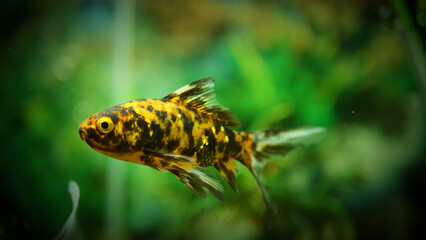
x,y
184,132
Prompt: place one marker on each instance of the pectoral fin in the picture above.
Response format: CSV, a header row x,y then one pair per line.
x,y
169,156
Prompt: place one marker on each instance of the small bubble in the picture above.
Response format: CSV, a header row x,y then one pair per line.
x,y
353,111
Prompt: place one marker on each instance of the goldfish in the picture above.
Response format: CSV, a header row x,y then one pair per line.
x,y
187,131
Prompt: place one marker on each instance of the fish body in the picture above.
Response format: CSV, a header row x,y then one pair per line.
x,y
185,132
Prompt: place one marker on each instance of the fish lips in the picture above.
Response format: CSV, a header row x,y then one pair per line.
x,y
85,138
82,133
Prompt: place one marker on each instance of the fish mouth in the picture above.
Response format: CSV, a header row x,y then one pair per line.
x,y
82,133
84,136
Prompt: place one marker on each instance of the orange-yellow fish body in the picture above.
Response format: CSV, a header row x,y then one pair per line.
x,y
184,132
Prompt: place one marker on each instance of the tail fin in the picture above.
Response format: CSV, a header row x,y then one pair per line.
x,y
271,144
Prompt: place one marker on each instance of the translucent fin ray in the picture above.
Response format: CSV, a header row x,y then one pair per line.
x,y
280,142
270,143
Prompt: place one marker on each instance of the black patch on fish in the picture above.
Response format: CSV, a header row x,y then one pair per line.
x,y
146,160
198,118
233,146
187,123
93,135
168,127
164,164
211,139
122,147
230,135
143,125
173,117
207,154
221,146
129,110
172,145
128,125
253,145
156,140
149,108
188,151
194,110
237,148
124,112
144,137
191,140
162,115
89,122
216,125
106,141
179,111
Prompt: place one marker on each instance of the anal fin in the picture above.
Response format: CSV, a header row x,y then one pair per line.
x,y
228,170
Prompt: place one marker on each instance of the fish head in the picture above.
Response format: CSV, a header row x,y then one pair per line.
x,y
103,131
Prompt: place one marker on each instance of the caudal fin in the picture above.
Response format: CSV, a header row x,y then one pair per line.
x,y
273,144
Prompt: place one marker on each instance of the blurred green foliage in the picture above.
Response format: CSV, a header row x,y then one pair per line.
x,y
347,66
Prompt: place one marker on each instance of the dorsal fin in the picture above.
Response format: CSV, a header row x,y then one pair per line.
x,y
200,94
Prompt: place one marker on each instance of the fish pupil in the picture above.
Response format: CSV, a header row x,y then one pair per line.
x,y
104,125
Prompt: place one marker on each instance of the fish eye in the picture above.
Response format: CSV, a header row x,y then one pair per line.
x,y
105,125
